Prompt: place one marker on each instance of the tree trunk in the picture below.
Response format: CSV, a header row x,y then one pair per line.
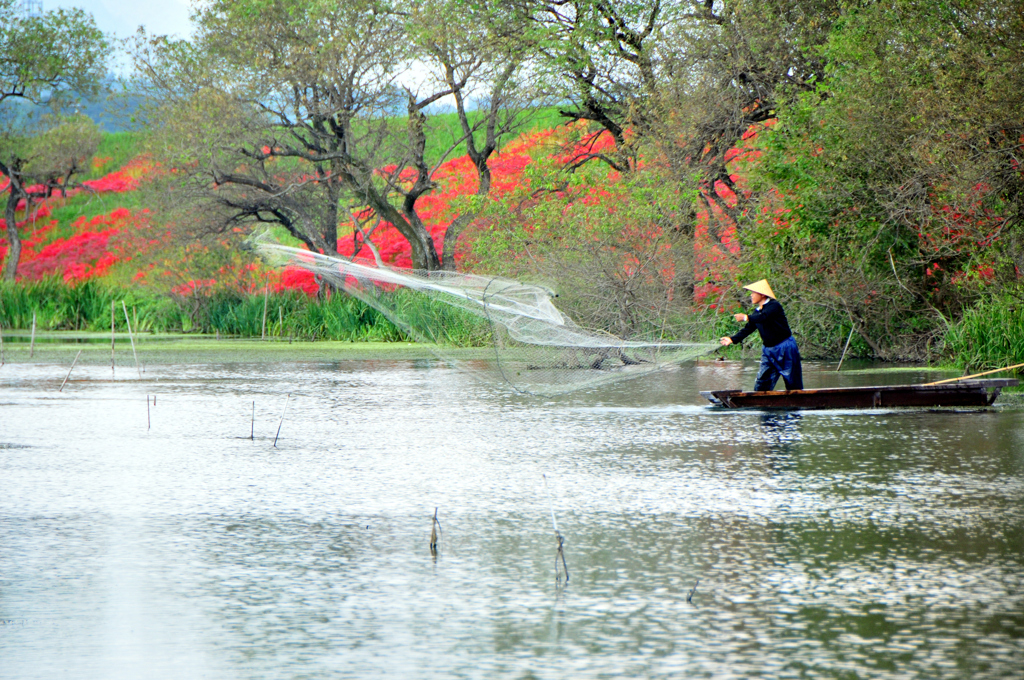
x,y
13,240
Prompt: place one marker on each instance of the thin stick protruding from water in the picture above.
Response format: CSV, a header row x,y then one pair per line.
x,y
112,303
149,423
850,337
131,337
689,595
559,553
252,424
282,419
32,342
435,527
69,371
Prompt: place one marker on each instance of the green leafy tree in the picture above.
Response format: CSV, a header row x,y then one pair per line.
x,y
299,119
683,80
43,58
50,59
892,193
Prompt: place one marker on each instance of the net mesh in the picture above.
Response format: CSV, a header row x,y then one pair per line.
x,y
518,336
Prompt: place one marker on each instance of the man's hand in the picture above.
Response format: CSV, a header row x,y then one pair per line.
x,y
724,342
741,318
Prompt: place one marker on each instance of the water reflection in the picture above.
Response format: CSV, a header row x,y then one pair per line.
x,y
835,544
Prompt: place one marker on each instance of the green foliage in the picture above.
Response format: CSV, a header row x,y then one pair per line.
x,y
890,196
42,58
619,254
62,149
990,334
115,150
87,307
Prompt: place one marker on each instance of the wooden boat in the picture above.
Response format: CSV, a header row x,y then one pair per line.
x,y
962,393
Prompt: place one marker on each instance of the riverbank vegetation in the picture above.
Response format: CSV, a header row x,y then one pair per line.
x,y
643,160
286,314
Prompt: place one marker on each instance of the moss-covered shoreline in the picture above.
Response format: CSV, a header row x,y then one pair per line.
x,y
176,348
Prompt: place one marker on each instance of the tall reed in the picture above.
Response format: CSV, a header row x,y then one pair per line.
x,y
989,335
86,307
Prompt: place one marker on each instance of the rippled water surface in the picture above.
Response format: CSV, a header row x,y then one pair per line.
x,y
842,544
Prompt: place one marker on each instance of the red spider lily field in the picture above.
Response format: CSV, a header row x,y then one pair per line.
x,y
102,234
533,223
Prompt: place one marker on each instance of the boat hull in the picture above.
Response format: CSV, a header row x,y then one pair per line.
x,y
969,393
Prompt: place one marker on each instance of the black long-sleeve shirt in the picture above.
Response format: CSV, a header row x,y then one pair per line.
x,y
770,321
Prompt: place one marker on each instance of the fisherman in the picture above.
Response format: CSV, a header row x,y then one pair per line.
x,y
780,355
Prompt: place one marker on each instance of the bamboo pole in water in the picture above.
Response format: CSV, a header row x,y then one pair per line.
x,y
559,552
131,337
434,527
252,423
32,342
149,423
850,337
112,338
69,371
976,375
282,419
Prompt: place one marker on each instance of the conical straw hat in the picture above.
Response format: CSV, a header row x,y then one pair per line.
x,y
761,287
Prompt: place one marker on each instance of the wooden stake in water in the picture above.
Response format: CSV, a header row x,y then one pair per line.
x,y
282,419
559,553
435,526
149,423
850,337
32,342
111,338
252,425
263,330
69,371
131,337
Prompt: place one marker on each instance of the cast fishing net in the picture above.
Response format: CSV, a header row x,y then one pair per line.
x,y
520,337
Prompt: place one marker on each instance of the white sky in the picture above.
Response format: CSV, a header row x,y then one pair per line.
x,y
122,17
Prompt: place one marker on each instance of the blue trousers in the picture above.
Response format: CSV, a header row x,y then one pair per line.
x,y
781,361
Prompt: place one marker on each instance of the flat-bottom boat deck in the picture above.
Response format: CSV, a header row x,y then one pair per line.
x,y
964,393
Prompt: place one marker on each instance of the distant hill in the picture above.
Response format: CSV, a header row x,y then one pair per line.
x,y
111,111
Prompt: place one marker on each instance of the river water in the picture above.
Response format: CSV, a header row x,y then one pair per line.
x,y
168,544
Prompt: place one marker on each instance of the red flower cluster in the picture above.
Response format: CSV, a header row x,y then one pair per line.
x,y
455,178
295,278
86,255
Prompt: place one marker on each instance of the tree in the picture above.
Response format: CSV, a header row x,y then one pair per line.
x,y
39,165
476,50
897,179
49,59
684,78
299,119
44,57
